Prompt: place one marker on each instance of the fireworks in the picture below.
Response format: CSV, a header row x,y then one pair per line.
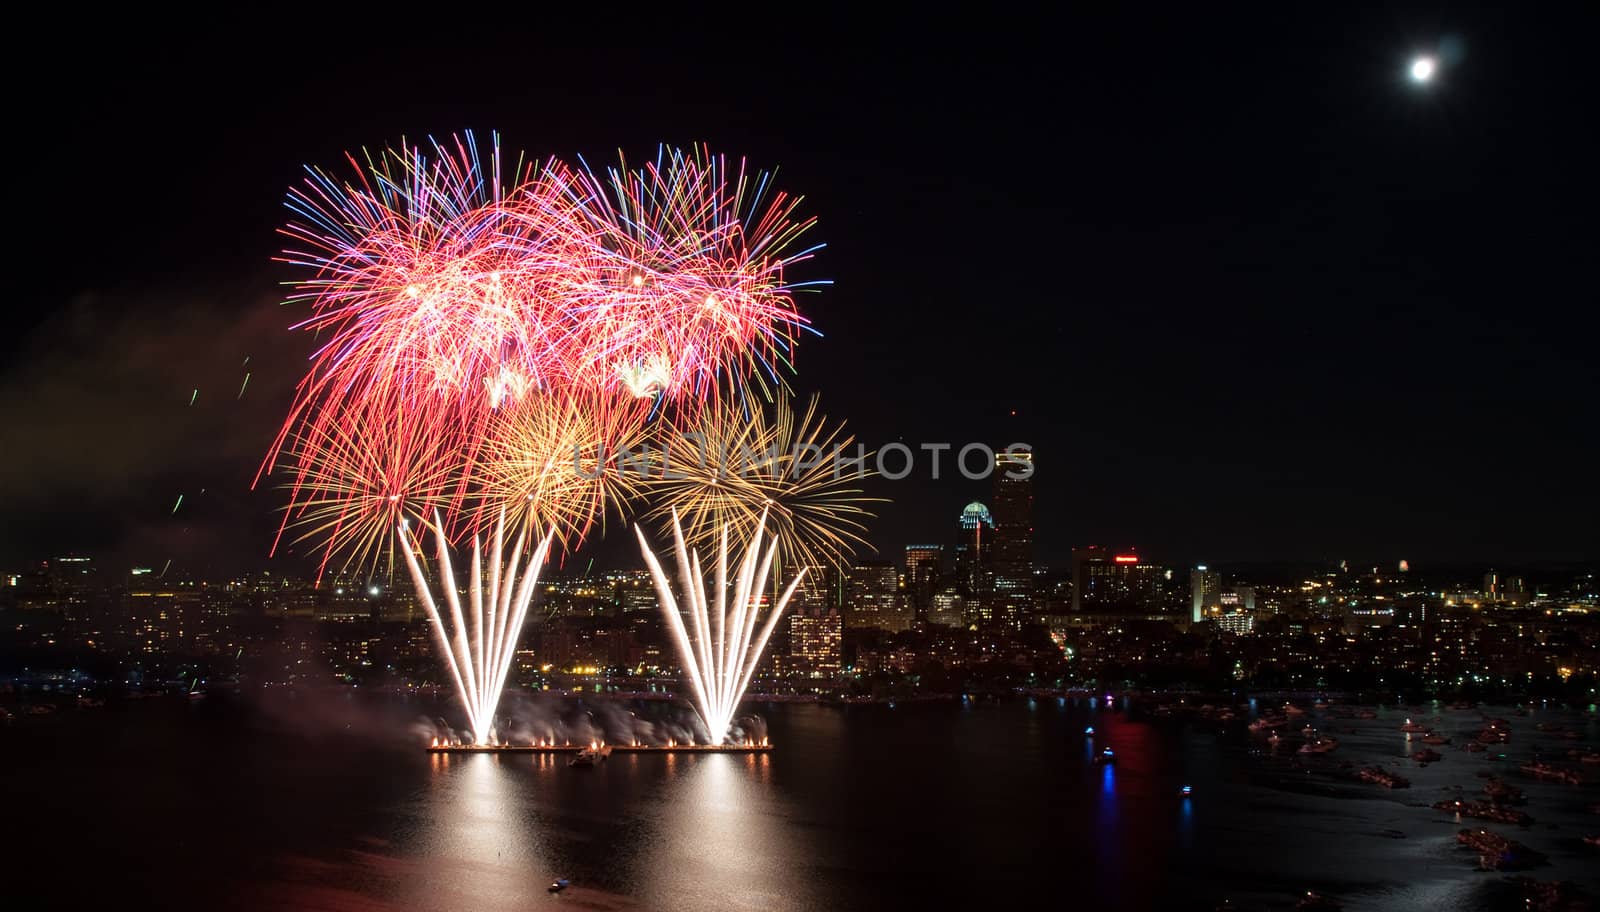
x,y
692,257
550,459
359,478
722,657
744,466
481,641
448,290
495,339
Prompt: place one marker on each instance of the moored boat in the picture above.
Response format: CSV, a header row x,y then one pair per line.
x,y
1541,770
1483,810
1320,744
1496,852
1501,793
1380,776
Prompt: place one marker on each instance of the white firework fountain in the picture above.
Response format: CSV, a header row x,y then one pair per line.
x,y
722,656
480,642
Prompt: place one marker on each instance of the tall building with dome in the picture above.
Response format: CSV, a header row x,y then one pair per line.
x,y
974,543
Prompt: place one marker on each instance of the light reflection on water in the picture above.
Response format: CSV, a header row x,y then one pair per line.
x,y
720,842
480,842
857,808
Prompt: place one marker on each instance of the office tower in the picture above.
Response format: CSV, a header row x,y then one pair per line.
x,y
1012,557
1081,558
1117,582
924,564
1238,623
815,642
975,541
948,608
873,597
1205,586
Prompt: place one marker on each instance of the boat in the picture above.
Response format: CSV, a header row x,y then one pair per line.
x,y
1436,739
1417,727
1483,810
561,883
1427,755
590,755
1316,902
1500,793
1380,776
1366,714
1593,839
1541,770
1496,852
1106,756
1552,896
1319,745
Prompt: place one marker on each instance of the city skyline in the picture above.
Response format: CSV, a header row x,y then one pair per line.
x,y
861,462
1277,354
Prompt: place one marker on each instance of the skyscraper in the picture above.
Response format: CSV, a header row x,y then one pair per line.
x,y
1117,582
975,541
1205,587
924,564
948,608
1082,557
815,639
1013,525
873,597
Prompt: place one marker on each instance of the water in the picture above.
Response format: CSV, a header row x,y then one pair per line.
x,y
328,803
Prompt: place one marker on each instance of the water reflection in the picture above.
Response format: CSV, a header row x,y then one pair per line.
x,y
721,840
476,836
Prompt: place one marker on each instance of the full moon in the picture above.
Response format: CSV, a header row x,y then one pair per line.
x,y
1422,69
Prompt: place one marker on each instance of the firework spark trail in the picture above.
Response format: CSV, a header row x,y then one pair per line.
x,y
488,334
447,287
549,460
488,630
722,657
736,464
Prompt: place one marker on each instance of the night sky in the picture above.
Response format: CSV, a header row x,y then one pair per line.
x,y
1249,293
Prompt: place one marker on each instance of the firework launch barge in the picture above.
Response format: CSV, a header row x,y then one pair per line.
x,y
751,748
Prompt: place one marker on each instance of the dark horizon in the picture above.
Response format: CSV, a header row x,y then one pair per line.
x,y
1249,294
